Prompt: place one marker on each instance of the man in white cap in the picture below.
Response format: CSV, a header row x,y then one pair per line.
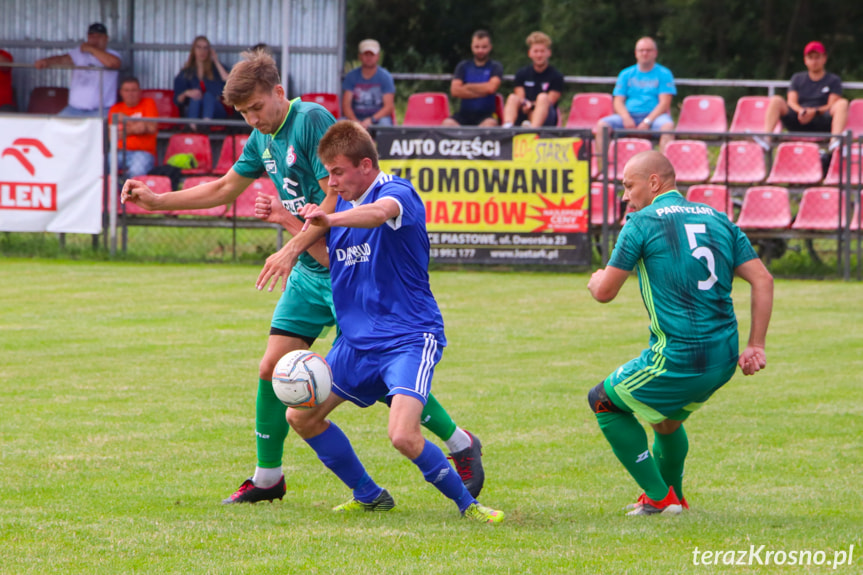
x,y
369,91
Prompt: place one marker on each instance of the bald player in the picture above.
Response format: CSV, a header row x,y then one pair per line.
x,y
687,255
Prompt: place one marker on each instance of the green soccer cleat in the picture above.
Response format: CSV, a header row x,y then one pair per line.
x,y
483,514
383,502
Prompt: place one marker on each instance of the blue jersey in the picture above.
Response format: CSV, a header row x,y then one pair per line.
x,y
642,89
380,276
468,72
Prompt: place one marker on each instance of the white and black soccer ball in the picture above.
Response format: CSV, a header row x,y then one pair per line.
x,y
302,378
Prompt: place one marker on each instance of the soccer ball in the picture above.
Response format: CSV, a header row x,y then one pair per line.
x,y
302,379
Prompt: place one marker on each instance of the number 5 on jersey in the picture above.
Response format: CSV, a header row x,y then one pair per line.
x,y
701,252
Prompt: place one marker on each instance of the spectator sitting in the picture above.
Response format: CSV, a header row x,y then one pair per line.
x,y
642,96
140,137
815,102
198,87
7,96
537,88
85,98
476,81
369,91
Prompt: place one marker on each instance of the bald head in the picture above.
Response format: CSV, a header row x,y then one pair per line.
x,y
645,176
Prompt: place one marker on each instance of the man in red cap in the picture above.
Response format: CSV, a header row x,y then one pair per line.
x,y
815,102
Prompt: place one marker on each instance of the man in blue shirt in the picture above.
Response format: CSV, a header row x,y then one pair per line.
x,y
476,82
642,96
369,91
392,332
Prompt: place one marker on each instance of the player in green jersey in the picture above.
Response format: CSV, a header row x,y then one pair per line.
x,y
284,145
686,255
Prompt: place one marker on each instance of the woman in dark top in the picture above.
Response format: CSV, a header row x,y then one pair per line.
x,y
198,86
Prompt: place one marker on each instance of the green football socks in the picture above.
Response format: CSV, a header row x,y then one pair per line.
x,y
670,453
271,427
629,443
437,420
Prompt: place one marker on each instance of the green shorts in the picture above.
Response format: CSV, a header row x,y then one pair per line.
x,y
646,387
306,306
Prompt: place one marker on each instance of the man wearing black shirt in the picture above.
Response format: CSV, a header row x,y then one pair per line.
x,y
537,88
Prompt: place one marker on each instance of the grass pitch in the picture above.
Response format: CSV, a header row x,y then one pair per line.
x,y
127,398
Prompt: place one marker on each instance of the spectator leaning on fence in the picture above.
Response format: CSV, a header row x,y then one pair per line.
x,y
642,96
537,88
140,137
815,102
369,91
7,96
85,97
476,82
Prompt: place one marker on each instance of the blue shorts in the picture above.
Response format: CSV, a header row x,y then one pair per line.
x,y
616,122
306,306
364,376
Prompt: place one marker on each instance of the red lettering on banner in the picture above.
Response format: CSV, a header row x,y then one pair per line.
x,y
21,196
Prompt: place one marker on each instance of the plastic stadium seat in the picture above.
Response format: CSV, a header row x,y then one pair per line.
x,y
740,162
765,207
232,148
796,163
714,195
702,114
164,100
855,117
244,205
749,114
426,109
689,158
196,144
217,211
837,167
819,210
159,185
47,100
326,99
596,204
619,152
587,109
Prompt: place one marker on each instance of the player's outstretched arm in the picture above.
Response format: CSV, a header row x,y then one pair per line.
x,y
754,357
605,284
218,193
270,209
367,216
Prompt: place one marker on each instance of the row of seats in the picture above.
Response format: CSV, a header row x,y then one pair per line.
x,y
243,206
199,146
738,162
764,207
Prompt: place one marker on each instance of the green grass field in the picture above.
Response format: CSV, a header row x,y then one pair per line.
x,y
127,395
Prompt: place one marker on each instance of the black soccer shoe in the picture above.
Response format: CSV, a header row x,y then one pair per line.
x,y
468,463
248,493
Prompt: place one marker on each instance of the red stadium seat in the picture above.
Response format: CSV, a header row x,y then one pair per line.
x,y
740,162
325,99
749,114
819,210
796,163
232,148
216,211
837,168
765,207
702,114
196,144
596,204
689,158
426,109
159,185
587,109
244,205
619,152
47,100
855,117
714,195
164,100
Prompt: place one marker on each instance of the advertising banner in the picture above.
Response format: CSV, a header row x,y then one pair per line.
x,y
51,175
496,196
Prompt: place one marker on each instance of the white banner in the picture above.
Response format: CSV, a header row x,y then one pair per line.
x,y
51,175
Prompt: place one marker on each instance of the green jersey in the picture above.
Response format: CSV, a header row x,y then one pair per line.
x,y
686,254
290,158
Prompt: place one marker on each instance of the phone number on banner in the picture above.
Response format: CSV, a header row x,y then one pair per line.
x,y
557,249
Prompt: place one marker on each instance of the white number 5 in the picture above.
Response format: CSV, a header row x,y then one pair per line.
x,y
701,252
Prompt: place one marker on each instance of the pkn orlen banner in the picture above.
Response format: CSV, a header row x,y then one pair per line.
x,y
495,196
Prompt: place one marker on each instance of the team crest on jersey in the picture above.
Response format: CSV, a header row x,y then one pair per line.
x,y
292,156
354,254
